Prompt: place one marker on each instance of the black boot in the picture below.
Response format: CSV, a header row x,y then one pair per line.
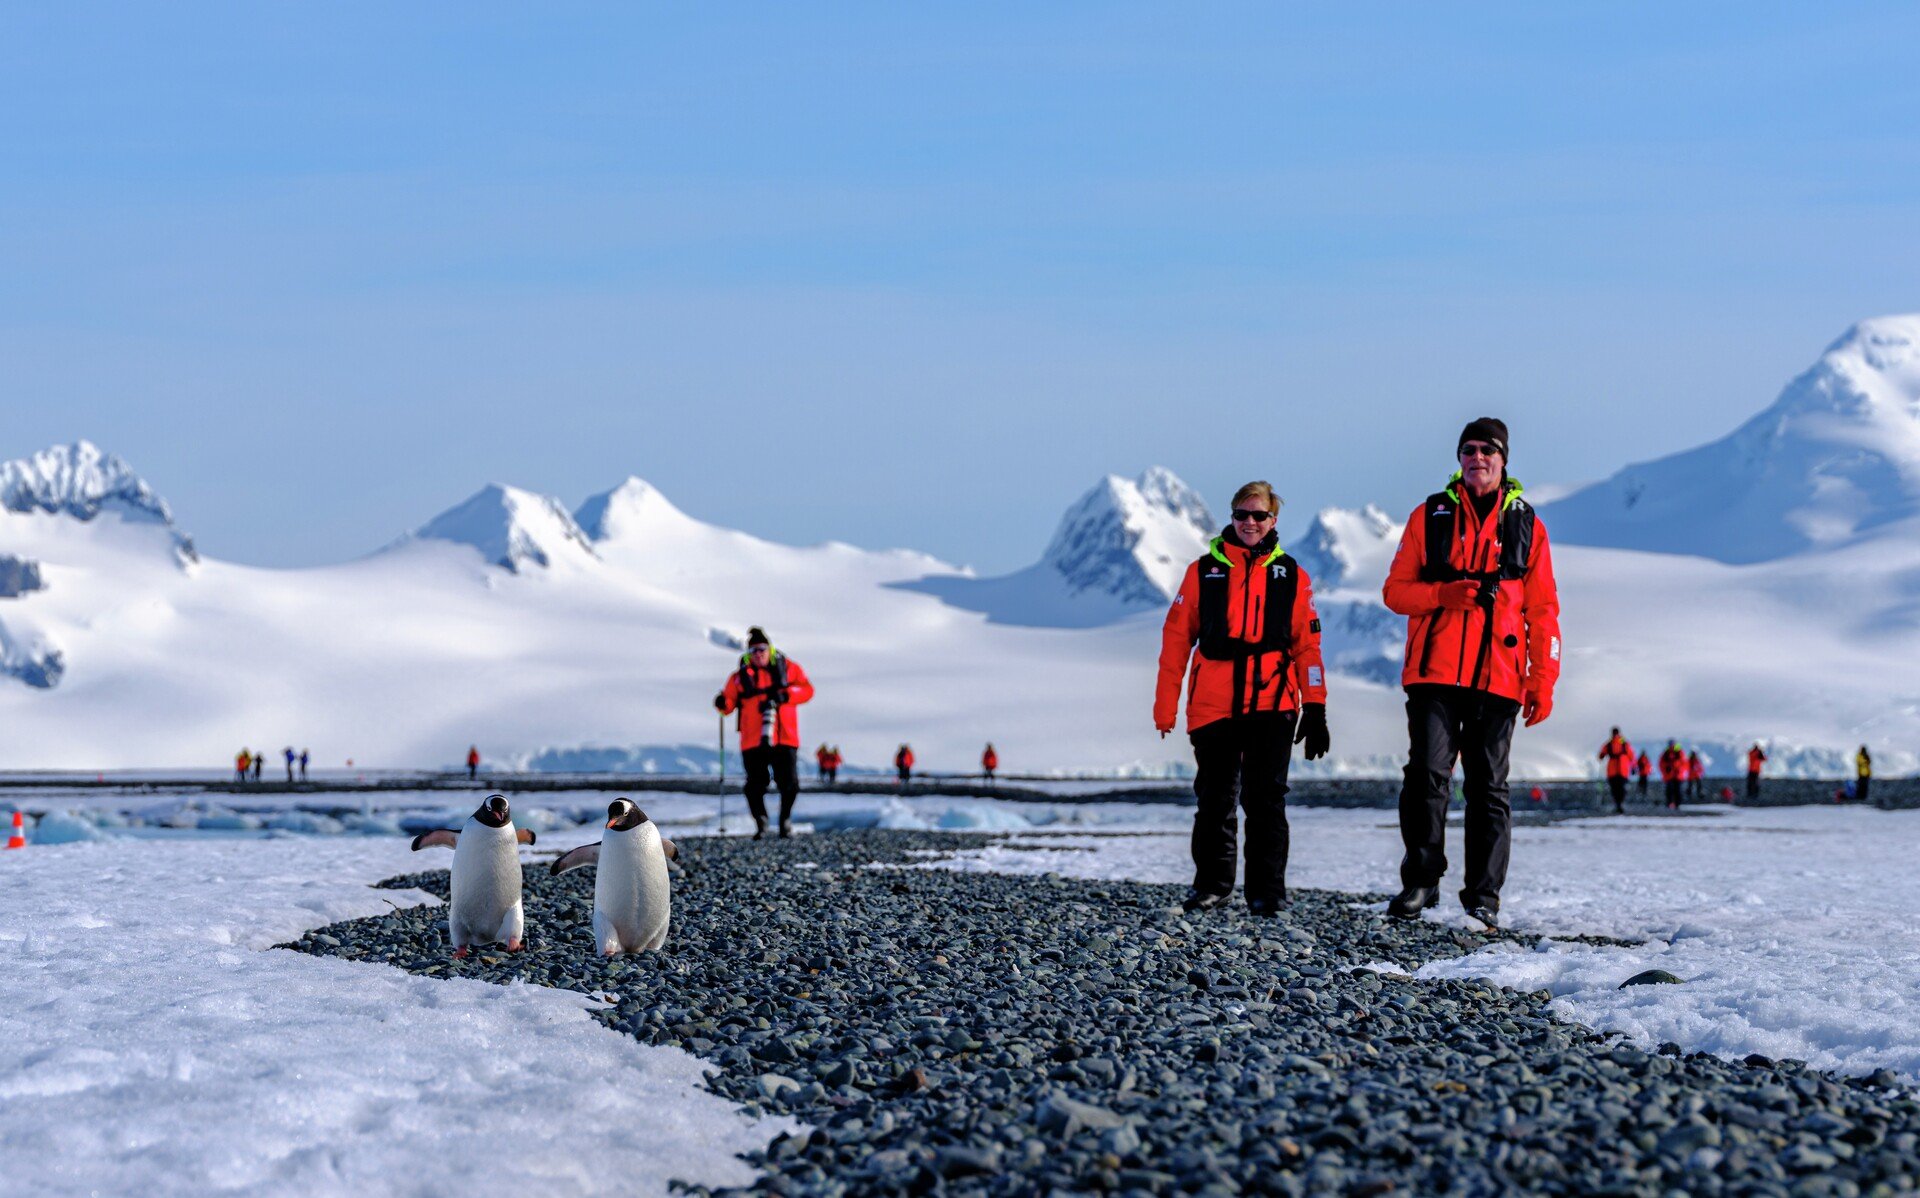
x,y
1196,901
1486,915
1266,908
759,826
786,827
1409,903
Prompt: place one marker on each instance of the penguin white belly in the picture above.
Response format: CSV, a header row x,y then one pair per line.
x,y
486,886
632,899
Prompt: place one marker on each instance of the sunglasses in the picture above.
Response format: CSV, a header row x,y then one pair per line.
x,y
1474,449
1256,517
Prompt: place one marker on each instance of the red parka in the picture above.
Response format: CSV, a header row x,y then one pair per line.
x,y
903,760
1618,755
1443,644
1643,767
747,689
1755,759
989,760
1270,681
1673,765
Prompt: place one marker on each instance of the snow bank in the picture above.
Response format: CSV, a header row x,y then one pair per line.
x,y
148,1045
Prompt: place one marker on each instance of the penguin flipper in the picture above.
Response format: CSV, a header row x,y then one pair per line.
x,y
445,836
586,854
523,835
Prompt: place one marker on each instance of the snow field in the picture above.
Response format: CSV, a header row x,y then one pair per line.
x,y
148,1045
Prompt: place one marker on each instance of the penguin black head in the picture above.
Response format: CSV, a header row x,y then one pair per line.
x,y
623,816
494,812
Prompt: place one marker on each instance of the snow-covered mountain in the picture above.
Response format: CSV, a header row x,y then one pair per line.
x,y
1120,549
1836,456
513,529
1344,547
81,480
602,635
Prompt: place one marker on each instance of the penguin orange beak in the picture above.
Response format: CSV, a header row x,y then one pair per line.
x,y
612,822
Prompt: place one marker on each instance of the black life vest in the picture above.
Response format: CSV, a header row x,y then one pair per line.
x,y
1276,634
1216,643
769,710
1443,516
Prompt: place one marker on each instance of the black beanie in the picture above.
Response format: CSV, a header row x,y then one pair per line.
x,y
1487,429
757,637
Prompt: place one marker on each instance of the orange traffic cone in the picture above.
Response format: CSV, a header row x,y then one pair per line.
x,y
19,839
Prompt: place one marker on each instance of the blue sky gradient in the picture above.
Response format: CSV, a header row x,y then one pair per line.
x,y
919,274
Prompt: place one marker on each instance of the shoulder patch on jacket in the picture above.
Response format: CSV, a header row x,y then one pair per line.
x,y
1315,625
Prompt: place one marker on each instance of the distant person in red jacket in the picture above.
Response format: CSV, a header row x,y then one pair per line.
x,y
1696,777
767,690
241,765
822,760
1756,757
1618,755
1474,577
473,762
989,762
1673,771
1255,689
1643,769
833,764
903,764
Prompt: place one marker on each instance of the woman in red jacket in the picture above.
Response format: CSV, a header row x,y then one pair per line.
x,y
1256,688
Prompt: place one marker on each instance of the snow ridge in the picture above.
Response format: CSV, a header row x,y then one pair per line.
x,y
1834,457
82,480
1131,539
512,529
628,510
1347,548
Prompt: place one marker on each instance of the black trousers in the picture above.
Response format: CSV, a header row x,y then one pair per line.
x,y
1753,786
1643,786
779,761
1618,787
1673,792
1444,722
1860,788
1244,758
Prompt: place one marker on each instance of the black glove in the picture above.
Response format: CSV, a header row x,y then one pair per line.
x,y
1313,730
720,703
778,694
1489,592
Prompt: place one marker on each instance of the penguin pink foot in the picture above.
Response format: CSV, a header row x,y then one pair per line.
x,y
460,954
514,946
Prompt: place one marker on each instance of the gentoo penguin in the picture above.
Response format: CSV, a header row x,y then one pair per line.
x,y
631,896
486,876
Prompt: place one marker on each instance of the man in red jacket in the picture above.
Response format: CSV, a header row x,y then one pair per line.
x,y
1643,770
1474,576
1673,771
1256,688
767,691
1756,757
1618,755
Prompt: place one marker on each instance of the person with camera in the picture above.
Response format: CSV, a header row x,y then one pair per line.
x,y
767,691
1474,577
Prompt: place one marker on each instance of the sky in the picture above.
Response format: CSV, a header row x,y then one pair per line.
x,y
918,275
